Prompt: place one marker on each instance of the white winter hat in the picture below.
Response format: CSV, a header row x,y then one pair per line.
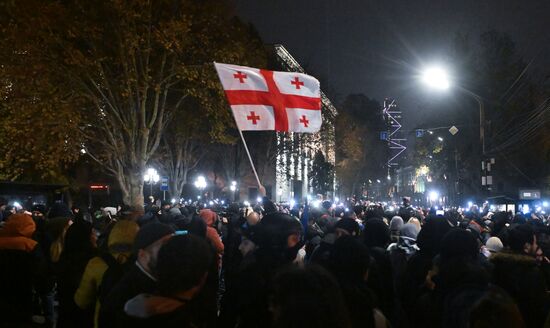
x,y
494,245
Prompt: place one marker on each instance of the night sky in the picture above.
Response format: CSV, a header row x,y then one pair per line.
x,y
374,47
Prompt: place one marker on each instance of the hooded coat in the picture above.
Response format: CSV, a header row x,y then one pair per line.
x,y
120,243
209,217
22,265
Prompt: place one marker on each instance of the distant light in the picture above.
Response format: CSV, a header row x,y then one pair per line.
x,y
391,208
198,197
346,209
309,197
234,183
16,204
336,199
223,202
233,188
436,77
433,196
545,204
173,200
259,199
246,203
292,203
280,192
316,203
211,203
389,177
525,209
378,180
470,204
83,151
430,132
439,138
200,183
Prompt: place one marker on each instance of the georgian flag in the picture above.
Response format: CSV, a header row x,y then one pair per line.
x,y
268,100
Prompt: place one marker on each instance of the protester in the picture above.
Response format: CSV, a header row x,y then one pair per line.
x,y
22,264
210,217
92,284
141,277
517,272
182,270
80,246
297,292
278,240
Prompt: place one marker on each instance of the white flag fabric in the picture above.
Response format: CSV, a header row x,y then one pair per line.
x,y
268,100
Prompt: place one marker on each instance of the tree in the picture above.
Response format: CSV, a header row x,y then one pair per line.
x,y
322,175
514,126
359,152
120,70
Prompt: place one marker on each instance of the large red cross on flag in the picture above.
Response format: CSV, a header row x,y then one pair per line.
x,y
268,100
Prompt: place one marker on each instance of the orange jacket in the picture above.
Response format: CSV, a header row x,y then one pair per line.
x,y
17,232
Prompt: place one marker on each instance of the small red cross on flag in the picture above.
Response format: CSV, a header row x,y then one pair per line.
x,y
268,100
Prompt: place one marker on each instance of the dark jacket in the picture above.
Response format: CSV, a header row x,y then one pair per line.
x,y
139,312
133,283
521,277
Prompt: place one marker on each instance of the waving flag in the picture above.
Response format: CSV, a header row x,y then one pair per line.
x,y
268,100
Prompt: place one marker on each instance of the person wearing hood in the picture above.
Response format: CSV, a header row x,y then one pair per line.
x,y
399,254
350,262
428,241
209,217
142,276
278,240
21,261
182,270
395,225
120,244
80,246
376,236
456,279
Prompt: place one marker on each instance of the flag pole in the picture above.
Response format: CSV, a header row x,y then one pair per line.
x,y
248,153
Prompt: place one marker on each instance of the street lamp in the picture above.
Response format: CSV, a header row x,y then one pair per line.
x,y
200,183
151,177
437,78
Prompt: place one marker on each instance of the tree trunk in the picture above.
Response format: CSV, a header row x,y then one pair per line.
x,y
132,191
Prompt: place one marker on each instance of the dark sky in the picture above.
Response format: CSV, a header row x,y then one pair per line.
x,y
373,47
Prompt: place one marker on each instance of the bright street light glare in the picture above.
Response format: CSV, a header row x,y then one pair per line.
x,y
436,77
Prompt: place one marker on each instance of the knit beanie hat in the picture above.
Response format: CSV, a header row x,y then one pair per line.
x,y
459,243
494,245
348,224
150,233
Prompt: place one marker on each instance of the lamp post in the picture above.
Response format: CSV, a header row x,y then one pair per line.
x,y
151,177
437,78
200,183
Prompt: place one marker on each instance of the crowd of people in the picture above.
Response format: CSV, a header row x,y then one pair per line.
x,y
191,265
